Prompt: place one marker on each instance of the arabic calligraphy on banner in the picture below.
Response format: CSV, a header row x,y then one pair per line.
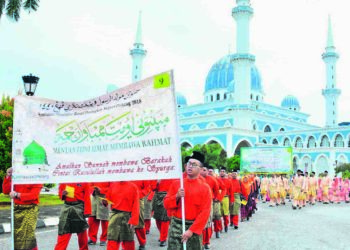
x,y
129,134
266,160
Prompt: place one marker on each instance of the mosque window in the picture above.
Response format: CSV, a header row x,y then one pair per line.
x,y
251,96
339,142
275,142
267,129
218,97
225,96
349,143
282,129
311,142
299,143
264,141
254,126
325,141
211,98
257,98
286,142
136,67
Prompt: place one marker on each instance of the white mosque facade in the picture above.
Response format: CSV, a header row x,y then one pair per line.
x,y
234,114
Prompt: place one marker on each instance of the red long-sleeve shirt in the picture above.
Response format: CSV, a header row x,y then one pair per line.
x,y
143,187
102,186
222,189
125,197
236,187
228,184
29,193
197,203
81,193
214,186
162,185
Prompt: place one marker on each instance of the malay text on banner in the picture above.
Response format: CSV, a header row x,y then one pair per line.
x,y
128,134
266,160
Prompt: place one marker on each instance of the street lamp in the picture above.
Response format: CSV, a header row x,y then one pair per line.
x,y
30,82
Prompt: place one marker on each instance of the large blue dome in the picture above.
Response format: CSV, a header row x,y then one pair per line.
x,y
290,102
221,76
181,99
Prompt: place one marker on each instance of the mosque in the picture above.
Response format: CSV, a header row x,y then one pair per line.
x,y
234,114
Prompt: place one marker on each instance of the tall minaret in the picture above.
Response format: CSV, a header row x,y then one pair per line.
x,y
331,93
242,60
137,53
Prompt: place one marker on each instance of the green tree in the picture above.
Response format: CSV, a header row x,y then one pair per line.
x,y
13,7
233,163
344,169
6,124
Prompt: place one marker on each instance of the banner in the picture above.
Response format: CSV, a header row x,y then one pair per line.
x,y
128,134
266,160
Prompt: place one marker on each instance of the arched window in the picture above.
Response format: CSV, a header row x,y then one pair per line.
x,y
286,142
251,96
325,142
282,129
257,98
225,96
267,129
218,97
211,98
349,143
275,142
339,142
311,142
299,143
264,141
254,126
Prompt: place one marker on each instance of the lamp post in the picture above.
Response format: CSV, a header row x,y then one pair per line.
x,y
30,83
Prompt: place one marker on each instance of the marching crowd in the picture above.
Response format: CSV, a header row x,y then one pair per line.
x,y
123,209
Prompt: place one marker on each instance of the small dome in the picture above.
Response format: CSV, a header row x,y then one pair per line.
x,y
34,154
221,75
180,99
290,102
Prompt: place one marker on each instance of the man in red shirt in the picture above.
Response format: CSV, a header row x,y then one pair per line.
x,y
148,211
214,188
198,198
237,191
99,213
228,198
77,206
125,205
26,199
160,214
140,231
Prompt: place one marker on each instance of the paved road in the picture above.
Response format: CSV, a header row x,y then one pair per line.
x,y
317,227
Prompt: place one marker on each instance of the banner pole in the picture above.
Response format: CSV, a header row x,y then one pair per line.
x,y
180,159
12,220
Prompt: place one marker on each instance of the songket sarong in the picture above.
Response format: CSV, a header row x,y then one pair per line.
x,y
209,224
72,218
283,193
98,209
148,209
141,217
236,204
273,192
216,210
118,227
225,206
325,191
296,193
175,235
160,213
25,217
312,191
244,211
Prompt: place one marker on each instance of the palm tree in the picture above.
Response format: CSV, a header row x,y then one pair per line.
x,y
13,7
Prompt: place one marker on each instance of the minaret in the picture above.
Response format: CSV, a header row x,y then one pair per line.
x,y
137,53
242,60
331,93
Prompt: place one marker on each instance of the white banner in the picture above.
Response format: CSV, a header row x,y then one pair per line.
x,y
128,134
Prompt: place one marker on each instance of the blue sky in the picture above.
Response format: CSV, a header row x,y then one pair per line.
x,y
79,47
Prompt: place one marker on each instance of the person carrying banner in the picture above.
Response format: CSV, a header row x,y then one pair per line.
x,y
160,214
237,191
228,198
197,199
125,211
99,213
214,188
140,231
26,210
77,206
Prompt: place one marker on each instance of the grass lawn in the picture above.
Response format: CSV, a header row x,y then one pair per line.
x,y
45,200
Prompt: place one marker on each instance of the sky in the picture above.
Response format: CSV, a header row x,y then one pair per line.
x,y
79,47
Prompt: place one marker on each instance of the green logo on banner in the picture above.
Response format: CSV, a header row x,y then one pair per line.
x,y
162,81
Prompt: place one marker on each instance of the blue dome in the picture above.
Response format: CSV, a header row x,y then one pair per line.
x,y
221,76
290,102
180,99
